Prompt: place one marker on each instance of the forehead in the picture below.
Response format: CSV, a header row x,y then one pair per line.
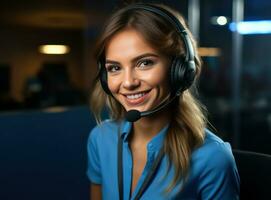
x,y
126,43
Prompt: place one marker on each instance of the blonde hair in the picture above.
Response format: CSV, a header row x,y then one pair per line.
x,y
186,130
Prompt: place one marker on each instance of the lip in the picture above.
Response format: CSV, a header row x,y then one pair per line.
x,y
137,101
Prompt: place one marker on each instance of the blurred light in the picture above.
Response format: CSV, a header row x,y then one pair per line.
x,y
252,27
54,49
209,51
55,109
219,20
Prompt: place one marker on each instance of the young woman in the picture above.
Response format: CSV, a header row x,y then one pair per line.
x,y
156,145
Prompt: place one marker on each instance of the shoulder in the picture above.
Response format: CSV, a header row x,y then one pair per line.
x,y
107,128
215,169
214,153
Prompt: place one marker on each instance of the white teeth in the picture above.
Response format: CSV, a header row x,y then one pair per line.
x,y
135,96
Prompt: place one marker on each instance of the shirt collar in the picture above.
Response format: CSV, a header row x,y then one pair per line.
x,y
154,145
125,129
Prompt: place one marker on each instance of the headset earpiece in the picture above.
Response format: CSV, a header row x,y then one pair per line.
x,y
182,75
190,73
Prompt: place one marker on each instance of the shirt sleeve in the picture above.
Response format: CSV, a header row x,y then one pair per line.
x,y
219,179
93,169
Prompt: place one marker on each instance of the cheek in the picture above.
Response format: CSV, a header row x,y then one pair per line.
x,y
113,84
156,78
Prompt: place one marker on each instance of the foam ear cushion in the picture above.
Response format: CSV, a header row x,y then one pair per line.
x,y
177,74
190,73
182,74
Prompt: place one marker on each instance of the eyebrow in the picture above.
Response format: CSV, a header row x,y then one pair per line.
x,y
107,61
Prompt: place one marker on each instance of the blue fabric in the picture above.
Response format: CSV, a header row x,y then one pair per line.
x,y
213,173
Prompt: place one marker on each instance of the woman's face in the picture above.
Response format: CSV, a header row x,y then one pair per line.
x,y
137,73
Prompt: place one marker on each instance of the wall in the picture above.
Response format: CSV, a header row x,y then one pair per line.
x,y
19,49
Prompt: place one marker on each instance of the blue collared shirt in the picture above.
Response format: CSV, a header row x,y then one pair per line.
x,y
213,173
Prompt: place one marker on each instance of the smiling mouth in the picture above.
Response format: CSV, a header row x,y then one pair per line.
x,y
137,98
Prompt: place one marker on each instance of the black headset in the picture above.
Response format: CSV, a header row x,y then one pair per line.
x,y
183,68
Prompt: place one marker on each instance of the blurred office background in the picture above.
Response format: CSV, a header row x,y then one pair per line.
x,y
44,115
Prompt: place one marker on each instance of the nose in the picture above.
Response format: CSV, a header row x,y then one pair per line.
x,y
130,80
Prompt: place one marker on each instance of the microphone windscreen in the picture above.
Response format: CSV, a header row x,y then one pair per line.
x,y
133,115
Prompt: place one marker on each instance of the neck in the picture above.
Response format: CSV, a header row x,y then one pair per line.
x,y
148,127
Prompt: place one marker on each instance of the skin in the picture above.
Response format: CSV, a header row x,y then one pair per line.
x,y
135,68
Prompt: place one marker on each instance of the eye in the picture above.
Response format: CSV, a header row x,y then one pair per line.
x,y
145,63
112,68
